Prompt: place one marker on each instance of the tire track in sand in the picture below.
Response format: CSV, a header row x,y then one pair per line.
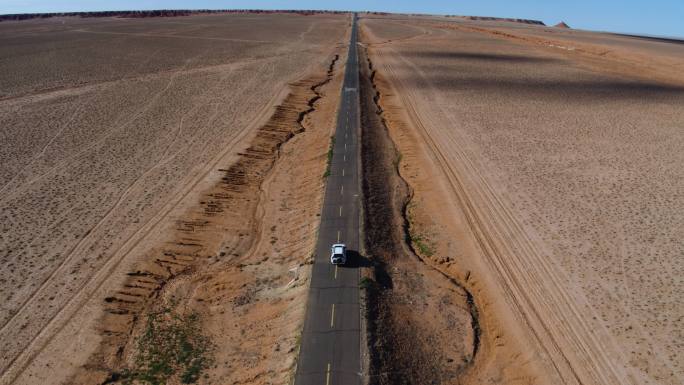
x,y
517,262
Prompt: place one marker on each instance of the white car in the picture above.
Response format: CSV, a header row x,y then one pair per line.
x,y
339,254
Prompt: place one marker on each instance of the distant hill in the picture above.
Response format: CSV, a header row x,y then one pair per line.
x,y
524,21
562,25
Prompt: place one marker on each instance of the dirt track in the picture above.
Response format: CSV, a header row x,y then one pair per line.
x,y
545,180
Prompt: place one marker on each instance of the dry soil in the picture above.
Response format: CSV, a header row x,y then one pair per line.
x,y
122,142
548,177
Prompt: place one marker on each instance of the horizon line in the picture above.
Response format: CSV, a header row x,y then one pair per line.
x,y
75,13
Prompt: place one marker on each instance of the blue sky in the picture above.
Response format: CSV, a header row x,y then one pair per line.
x,y
655,17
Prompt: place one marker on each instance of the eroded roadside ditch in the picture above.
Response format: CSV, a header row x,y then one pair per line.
x,y
423,326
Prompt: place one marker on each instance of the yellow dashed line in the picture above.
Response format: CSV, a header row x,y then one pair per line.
x,y
332,316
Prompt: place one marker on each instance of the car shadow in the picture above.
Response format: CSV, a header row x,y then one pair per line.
x,y
355,260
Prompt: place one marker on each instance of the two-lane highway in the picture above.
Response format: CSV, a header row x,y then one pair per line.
x,y
330,346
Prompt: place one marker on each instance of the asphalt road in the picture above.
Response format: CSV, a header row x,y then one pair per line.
x,y
330,346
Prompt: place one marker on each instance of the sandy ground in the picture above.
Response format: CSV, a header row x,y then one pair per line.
x,y
113,130
548,181
648,59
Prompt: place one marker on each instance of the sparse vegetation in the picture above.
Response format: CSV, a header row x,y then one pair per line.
x,y
365,283
422,245
172,346
397,159
419,242
330,156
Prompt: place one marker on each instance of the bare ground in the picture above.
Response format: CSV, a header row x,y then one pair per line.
x,y
545,180
91,178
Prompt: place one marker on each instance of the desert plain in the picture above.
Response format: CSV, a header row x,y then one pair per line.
x,y
560,153
171,168
112,129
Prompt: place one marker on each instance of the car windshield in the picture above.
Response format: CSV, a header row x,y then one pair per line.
x,y
338,250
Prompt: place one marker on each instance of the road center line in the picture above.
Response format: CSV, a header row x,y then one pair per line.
x,y
327,375
315,348
332,317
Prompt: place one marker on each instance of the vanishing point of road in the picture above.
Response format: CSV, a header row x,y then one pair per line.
x,y
330,345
